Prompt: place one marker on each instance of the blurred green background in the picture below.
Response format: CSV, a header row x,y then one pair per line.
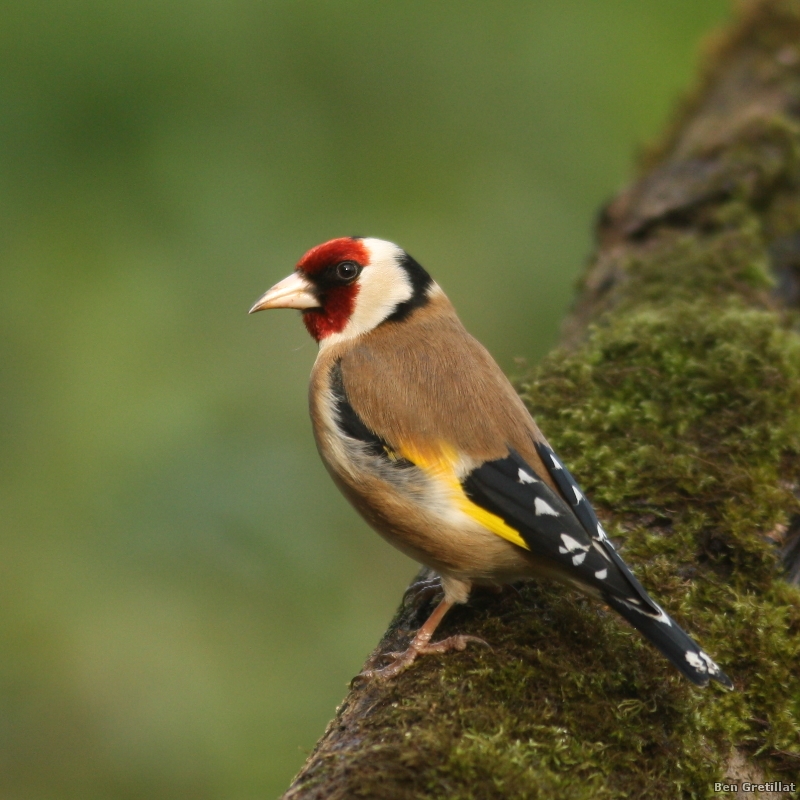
x,y
184,593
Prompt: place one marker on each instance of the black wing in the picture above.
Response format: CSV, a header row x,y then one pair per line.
x,y
569,534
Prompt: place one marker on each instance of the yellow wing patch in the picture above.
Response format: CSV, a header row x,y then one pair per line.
x,y
441,465
491,521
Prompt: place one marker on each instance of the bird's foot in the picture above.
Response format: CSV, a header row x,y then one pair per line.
x,y
404,660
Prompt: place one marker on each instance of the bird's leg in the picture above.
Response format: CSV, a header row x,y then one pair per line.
x,y
421,645
422,591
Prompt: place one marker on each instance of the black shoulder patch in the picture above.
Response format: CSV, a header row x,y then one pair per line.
x,y
420,283
352,426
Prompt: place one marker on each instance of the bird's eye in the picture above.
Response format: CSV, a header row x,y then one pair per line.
x,y
347,270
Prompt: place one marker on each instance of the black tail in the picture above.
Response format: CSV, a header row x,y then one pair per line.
x,y
673,642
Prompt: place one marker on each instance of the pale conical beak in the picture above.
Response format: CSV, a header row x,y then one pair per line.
x,y
292,292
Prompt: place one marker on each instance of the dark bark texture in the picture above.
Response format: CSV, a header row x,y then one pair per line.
x,y
675,401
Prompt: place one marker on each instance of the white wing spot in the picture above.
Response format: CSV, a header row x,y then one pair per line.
x,y
601,534
578,559
600,549
695,661
630,603
578,495
524,477
636,605
571,545
556,462
663,618
601,574
543,507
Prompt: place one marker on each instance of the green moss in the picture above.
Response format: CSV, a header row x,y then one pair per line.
x,y
678,266
693,408
684,424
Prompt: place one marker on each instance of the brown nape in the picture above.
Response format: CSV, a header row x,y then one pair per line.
x,y
421,646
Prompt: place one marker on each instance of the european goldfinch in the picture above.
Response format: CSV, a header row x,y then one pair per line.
x,y
426,437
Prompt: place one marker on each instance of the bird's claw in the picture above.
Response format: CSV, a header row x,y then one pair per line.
x,y
458,642
402,661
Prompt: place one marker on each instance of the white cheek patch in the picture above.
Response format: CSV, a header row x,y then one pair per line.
x,y
382,286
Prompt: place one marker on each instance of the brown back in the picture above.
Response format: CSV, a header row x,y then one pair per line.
x,y
426,380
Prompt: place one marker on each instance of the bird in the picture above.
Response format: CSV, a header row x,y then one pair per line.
x,y
425,435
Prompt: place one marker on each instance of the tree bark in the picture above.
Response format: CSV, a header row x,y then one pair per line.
x,y
675,400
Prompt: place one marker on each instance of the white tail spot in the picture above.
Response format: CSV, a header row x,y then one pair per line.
x,y
712,667
695,661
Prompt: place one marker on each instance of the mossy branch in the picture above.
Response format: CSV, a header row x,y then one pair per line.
x,y
676,402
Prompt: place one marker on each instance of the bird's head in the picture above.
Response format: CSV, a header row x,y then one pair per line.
x,y
347,287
